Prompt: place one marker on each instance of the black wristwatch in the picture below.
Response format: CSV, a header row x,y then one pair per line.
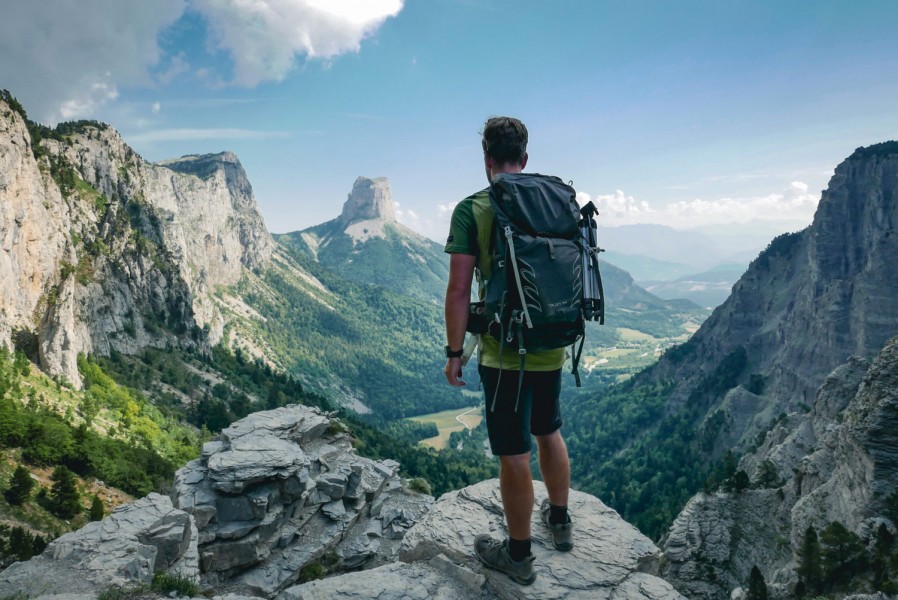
x,y
454,353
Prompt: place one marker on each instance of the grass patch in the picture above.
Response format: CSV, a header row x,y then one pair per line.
x,y
447,423
632,335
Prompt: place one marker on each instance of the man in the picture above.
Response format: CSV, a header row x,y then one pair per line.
x,y
517,414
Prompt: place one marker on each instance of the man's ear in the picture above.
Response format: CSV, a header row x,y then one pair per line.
x,y
524,161
487,161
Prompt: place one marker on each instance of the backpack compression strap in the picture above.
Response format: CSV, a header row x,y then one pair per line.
x,y
575,359
517,276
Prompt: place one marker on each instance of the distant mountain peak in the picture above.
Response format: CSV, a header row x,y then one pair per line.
x,y
369,199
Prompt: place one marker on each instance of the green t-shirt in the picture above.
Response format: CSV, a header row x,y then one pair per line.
x,y
469,233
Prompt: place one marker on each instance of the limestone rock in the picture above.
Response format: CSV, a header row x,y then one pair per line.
x,y
276,492
127,261
370,199
125,548
395,581
610,559
835,463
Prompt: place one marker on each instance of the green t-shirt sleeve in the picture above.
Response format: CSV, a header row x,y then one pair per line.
x,y
462,230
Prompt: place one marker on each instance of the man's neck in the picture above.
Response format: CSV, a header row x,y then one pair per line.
x,y
506,168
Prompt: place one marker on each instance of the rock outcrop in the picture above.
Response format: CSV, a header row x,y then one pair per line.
x,y
839,462
281,497
370,199
103,250
610,559
126,548
282,490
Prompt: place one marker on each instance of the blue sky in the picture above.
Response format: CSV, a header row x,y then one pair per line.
x,y
725,114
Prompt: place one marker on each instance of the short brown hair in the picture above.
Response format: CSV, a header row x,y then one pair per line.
x,y
504,139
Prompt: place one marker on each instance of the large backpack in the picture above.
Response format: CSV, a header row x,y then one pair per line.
x,y
545,280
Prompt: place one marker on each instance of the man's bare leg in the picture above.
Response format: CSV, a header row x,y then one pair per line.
x,y
516,484
554,467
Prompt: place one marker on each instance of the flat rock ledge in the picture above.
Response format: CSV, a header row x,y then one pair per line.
x,y
610,559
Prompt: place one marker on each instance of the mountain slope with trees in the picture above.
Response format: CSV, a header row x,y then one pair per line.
x,y
810,301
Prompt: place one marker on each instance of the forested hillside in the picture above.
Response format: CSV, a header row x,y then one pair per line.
x,y
808,302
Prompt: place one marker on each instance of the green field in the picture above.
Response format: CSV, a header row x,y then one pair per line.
x,y
447,422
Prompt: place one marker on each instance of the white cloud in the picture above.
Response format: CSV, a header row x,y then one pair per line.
x,y
791,205
66,59
156,108
86,101
178,135
263,37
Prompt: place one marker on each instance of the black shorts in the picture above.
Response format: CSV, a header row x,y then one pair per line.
x,y
537,413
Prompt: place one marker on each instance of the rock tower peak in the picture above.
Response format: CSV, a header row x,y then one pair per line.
x,y
369,199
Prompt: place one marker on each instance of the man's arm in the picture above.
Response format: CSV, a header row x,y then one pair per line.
x,y
458,299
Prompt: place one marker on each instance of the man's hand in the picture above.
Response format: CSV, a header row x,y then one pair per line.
x,y
458,298
453,372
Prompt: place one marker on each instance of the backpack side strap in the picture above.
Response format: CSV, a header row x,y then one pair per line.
x,y
575,359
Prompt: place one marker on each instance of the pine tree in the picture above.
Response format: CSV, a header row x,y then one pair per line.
x,y
883,547
65,500
809,569
20,486
843,555
741,481
21,543
97,510
757,587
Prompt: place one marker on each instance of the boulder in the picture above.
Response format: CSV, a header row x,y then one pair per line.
x,y
125,548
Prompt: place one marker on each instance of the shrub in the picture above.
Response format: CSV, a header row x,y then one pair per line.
x,y
419,484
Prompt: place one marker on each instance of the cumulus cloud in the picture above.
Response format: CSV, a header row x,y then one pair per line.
x,y
434,224
791,205
67,59
263,37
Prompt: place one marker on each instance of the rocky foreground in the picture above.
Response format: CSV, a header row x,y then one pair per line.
x,y
281,497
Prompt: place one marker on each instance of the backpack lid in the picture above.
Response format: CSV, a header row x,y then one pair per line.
x,y
540,205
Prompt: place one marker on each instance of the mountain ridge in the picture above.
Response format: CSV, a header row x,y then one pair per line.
x,y
805,305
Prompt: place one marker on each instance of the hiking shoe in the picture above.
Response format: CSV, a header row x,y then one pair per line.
x,y
561,533
494,554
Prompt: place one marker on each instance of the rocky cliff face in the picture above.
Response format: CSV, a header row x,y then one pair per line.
x,y
839,462
806,304
104,250
369,199
34,235
281,496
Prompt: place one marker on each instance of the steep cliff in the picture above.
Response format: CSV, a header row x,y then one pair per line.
x,y
836,463
811,299
106,251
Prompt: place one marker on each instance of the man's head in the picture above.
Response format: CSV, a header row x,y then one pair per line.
x,y
504,141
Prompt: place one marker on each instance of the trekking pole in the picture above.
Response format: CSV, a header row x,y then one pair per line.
x,y
591,277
